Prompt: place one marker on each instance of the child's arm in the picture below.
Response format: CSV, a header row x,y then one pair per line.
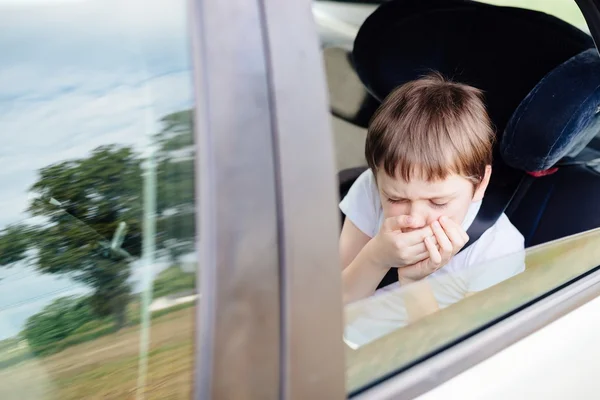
x,y
361,271
352,241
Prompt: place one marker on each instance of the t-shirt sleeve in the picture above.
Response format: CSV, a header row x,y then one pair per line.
x,y
497,256
360,204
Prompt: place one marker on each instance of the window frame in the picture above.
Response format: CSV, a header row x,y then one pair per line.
x,y
263,248
235,283
270,324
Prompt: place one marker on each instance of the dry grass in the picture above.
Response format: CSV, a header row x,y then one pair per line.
x,y
107,368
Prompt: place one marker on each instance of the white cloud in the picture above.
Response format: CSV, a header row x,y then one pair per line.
x,y
143,17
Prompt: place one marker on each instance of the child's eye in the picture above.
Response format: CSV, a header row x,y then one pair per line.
x,y
396,201
438,205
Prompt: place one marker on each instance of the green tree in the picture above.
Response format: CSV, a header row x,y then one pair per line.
x,y
14,241
83,201
56,322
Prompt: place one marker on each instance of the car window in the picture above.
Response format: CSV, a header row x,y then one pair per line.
x,y
337,22
98,284
380,339
567,10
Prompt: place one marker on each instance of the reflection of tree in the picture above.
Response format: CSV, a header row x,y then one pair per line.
x,y
175,181
56,322
83,201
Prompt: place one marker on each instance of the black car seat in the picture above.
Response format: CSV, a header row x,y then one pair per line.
x,y
550,129
555,197
506,52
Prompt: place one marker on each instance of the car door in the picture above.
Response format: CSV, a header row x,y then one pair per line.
x,y
169,221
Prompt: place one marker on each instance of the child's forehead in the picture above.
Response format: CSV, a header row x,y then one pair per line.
x,y
451,185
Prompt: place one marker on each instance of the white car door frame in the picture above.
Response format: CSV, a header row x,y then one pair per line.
x,y
270,318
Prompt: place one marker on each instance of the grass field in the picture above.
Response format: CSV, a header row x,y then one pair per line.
x,y
107,368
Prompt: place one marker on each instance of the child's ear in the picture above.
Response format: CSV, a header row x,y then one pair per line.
x,y
480,189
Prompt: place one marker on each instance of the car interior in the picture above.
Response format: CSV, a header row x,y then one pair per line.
x,y
540,77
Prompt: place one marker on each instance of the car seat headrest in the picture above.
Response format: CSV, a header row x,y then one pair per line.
x,y
503,51
558,118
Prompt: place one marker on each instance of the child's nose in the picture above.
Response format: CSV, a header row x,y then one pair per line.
x,y
418,221
420,216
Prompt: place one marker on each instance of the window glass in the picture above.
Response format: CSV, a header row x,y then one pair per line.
x,y
380,340
381,333
97,226
338,22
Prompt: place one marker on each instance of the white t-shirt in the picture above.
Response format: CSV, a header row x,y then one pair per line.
x,y
496,256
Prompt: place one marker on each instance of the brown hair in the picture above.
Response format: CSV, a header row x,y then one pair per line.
x,y
432,127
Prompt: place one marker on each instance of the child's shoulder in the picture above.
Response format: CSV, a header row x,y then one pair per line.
x,y
366,179
362,206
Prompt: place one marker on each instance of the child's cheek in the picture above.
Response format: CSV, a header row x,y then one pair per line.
x,y
394,210
458,213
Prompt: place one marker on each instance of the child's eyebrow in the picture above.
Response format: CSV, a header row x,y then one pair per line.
x,y
386,194
443,197
447,196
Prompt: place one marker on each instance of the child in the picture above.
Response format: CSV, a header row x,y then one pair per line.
x,y
429,151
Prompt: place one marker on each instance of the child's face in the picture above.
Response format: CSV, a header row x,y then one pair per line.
x,y
428,201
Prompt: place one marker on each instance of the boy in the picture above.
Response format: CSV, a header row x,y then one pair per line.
x,y
429,151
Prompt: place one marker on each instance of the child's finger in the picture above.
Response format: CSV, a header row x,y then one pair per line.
x,y
398,223
434,254
412,254
443,241
402,222
419,257
416,249
416,236
454,232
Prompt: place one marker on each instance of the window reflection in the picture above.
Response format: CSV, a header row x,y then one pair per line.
x,y
394,306
337,23
97,217
393,347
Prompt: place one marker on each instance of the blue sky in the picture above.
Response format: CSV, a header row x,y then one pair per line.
x,y
74,75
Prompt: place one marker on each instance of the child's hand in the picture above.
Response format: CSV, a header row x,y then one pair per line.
x,y
450,238
398,243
